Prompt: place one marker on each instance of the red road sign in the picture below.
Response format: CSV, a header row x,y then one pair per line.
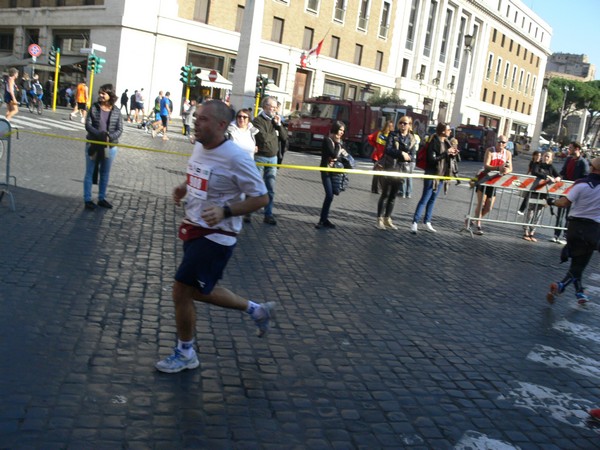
x,y
212,76
34,50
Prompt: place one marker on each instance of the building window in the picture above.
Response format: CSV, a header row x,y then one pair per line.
x,y
334,51
277,31
488,72
339,12
201,11
506,73
405,65
358,51
312,6
384,23
35,3
444,45
6,40
307,41
333,89
511,45
363,15
239,18
379,61
527,80
517,105
518,49
521,74
430,27
503,40
502,101
89,2
60,2
493,97
461,34
509,102
514,78
498,70
524,54
352,92
484,95
410,37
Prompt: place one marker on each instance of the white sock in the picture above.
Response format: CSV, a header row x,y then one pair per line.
x,y
252,308
186,347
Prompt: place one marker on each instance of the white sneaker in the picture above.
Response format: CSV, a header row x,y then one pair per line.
x,y
561,241
521,213
430,228
553,239
414,228
380,223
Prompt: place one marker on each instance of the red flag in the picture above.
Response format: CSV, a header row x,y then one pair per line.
x,y
305,59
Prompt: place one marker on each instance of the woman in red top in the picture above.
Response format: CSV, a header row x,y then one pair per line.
x,y
377,140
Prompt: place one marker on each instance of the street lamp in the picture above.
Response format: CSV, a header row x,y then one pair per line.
x,y
567,89
436,83
456,117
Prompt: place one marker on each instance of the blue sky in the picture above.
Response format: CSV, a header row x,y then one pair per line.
x,y
575,26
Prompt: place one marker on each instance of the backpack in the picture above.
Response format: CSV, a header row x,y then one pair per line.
x,y
422,155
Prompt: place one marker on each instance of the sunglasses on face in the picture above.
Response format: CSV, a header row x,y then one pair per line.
x,y
242,117
404,123
501,142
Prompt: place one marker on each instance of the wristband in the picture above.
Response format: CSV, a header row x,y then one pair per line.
x,y
227,212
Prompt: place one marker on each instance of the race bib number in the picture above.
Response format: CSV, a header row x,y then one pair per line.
x,y
197,180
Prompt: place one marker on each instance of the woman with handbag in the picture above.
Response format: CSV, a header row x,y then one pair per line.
x,y
331,150
103,124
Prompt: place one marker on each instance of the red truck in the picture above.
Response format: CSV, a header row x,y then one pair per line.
x,y
307,128
474,140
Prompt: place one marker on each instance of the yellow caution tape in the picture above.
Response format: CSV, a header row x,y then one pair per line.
x,y
279,166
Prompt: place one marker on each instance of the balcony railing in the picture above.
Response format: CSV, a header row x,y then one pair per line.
x,y
383,31
363,23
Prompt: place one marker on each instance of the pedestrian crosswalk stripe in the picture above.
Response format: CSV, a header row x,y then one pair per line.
x,y
558,359
548,402
577,330
45,124
472,440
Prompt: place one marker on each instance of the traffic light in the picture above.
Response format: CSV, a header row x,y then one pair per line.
x,y
52,56
99,62
194,71
186,74
261,84
91,66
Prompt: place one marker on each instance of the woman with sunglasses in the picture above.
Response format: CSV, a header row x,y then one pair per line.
x,y
242,132
103,124
398,148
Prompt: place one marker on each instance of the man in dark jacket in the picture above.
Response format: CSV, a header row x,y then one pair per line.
x,y
574,168
271,133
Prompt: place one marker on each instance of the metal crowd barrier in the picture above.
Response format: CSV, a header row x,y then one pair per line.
x,y
511,190
5,138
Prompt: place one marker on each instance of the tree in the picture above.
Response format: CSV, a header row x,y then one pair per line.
x,y
580,95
